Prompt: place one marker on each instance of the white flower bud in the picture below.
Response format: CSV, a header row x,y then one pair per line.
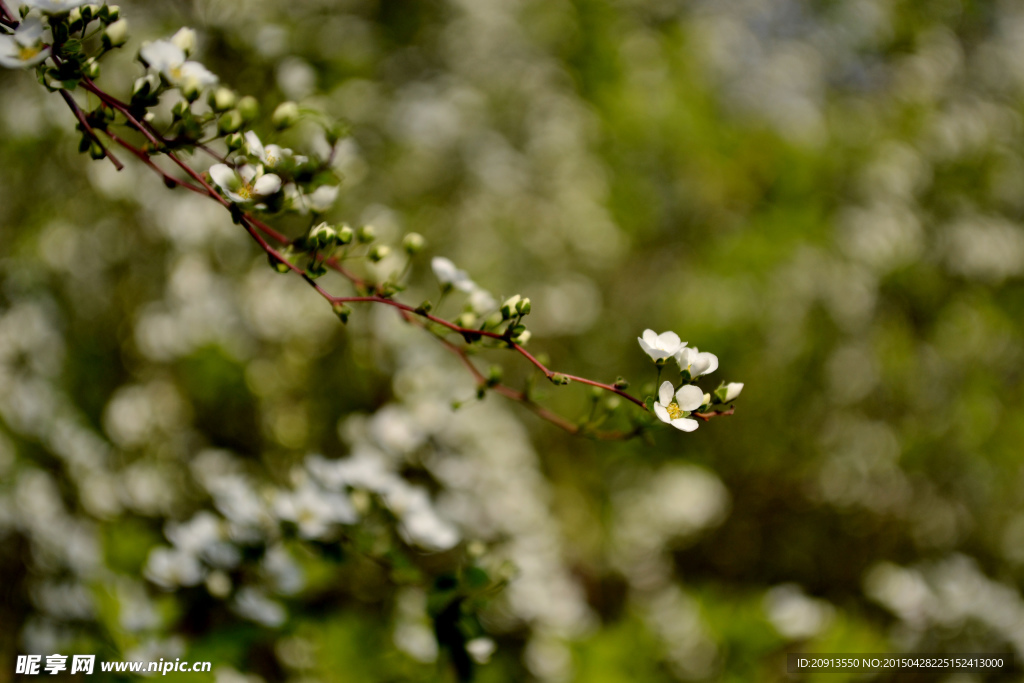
x,y
185,38
116,34
286,115
509,306
732,390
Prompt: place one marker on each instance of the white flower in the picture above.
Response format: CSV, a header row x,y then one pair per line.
x,y
170,568
322,198
674,410
54,5
254,605
273,155
732,390
450,276
697,362
245,184
25,47
169,59
315,511
481,301
660,346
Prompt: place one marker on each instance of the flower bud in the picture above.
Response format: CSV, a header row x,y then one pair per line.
x,y
96,151
229,122
413,243
109,12
75,18
494,374
185,39
144,86
379,253
523,307
621,384
322,236
467,319
425,307
366,234
342,311
222,99
345,234
559,379
180,108
509,306
523,338
286,115
706,401
249,108
91,68
116,34
728,392
234,141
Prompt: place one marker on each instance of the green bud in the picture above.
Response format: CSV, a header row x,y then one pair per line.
x,y
342,311
180,108
96,151
229,122
620,384
425,307
523,307
286,115
345,234
277,264
91,68
249,108
234,141
379,253
559,379
222,99
494,374
366,234
315,268
494,319
518,330
323,235
509,306
144,86
110,12
413,243
116,34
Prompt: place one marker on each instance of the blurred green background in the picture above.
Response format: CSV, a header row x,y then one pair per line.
x,y
827,195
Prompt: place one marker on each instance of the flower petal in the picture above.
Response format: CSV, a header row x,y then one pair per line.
x,y
255,146
685,424
651,338
444,269
669,341
268,184
662,413
689,397
225,176
665,393
712,362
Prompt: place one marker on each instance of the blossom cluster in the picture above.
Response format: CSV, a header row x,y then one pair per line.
x,y
674,405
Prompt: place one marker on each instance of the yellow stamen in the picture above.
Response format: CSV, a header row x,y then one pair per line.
x,y
26,53
674,411
245,191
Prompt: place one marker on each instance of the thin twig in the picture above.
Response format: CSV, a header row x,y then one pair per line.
x,y
85,124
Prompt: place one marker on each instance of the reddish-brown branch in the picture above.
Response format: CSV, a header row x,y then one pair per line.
x,y
254,226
